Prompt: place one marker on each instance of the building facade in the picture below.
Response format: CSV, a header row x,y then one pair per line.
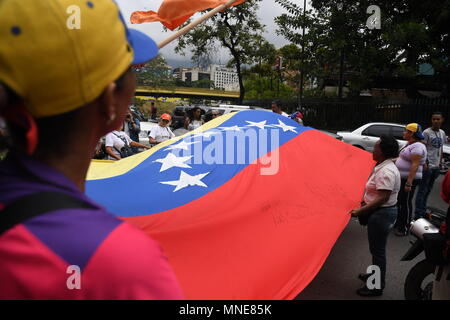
x,y
222,77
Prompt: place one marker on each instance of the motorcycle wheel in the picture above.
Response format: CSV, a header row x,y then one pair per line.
x,y
415,286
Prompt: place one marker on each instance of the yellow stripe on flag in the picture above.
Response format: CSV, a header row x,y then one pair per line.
x,y
103,169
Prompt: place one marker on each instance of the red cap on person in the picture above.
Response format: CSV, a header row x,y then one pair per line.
x,y
166,116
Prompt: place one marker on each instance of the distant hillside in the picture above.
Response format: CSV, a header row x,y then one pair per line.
x,y
175,63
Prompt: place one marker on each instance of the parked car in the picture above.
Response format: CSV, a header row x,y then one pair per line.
x,y
146,126
331,134
367,135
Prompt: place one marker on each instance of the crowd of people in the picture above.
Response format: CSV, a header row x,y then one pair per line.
x,y
389,192
55,132
124,141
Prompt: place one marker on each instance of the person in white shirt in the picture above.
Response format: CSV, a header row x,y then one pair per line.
x,y
277,108
118,145
194,120
161,132
379,202
434,141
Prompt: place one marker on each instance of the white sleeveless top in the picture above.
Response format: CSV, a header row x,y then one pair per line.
x,y
194,124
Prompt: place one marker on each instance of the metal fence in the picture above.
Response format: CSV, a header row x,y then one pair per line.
x,y
334,115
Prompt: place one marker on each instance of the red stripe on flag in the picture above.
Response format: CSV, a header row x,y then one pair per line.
x,y
264,237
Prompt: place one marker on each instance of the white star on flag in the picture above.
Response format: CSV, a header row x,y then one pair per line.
x,y
182,145
233,128
172,160
260,125
186,180
284,126
206,134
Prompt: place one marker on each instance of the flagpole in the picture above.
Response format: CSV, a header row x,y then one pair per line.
x,y
195,23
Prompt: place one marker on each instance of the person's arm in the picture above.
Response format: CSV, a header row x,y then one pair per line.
x,y
136,125
152,141
152,136
109,144
426,142
382,198
444,139
138,145
445,190
415,160
109,151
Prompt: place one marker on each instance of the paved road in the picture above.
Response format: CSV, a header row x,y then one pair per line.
x,y
350,256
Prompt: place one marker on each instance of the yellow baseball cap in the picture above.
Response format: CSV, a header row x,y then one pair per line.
x,y
58,55
416,129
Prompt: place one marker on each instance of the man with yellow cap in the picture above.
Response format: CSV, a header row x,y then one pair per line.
x,y
63,85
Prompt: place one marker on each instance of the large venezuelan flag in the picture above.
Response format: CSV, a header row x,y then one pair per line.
x,y
173,13
235,223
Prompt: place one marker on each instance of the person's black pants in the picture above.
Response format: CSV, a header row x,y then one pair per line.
x,y
378,228
404,205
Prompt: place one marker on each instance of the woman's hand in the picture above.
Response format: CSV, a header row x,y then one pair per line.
x,y
139,145
355,212
408,187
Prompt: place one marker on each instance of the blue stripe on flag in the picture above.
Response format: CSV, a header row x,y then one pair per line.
x,y
194,166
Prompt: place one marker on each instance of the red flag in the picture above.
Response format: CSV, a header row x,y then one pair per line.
x,y
173,13
232,229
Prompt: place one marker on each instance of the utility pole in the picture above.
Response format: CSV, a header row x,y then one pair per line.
x,y
300,91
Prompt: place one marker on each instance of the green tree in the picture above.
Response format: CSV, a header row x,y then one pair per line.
x,y
412,32
238,29
261,88
263,58
264,80
155,73
261,75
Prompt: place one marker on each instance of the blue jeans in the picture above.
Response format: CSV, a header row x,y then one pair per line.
x,y
380,224
425,187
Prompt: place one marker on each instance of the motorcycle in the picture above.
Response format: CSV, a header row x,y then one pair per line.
x,y
419,281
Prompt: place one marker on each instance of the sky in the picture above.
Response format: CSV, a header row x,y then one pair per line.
x,y
267,12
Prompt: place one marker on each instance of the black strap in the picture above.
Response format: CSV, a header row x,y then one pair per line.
x,y
35,204
124,140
